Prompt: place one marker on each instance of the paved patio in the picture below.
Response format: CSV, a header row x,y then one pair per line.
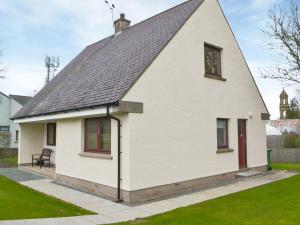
x,y
110,212
44,171
19,175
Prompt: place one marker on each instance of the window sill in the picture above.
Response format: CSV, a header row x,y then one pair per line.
x,y
216,77
96,155
221,151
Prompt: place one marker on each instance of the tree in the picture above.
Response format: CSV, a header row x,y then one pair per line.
x,y
283,29
294,110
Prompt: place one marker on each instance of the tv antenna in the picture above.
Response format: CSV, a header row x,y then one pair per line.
x,y
51,63
111,7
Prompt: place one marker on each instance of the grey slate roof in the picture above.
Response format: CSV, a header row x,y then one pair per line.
x,y
106,70
22,100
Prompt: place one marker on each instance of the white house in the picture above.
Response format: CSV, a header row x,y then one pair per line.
x,y
163,106
9,131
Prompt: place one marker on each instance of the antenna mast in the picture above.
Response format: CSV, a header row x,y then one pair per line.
x,y
51,64
111,7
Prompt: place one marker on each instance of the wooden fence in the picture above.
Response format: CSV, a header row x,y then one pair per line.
x,y
281,154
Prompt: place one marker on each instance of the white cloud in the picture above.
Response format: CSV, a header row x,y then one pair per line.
x,y
264,3
23,80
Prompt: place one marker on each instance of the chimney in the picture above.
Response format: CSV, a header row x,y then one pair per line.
x,y
121,24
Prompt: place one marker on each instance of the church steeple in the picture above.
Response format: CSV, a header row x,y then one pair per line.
x,y
284,104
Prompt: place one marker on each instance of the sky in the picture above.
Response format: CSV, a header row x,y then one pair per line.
x,y
31,29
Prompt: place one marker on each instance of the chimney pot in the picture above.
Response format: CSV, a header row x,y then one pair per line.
x,y
121,24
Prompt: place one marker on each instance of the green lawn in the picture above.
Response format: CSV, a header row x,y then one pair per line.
x,y
274,204
286,166
19,202
9,162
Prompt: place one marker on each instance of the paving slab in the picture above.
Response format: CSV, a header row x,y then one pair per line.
x,y
18,175
13,222
100,219
247,174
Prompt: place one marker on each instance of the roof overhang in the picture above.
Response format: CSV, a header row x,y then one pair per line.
x,y
122,107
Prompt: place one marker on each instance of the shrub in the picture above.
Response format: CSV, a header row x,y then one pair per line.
x,y
297,143
290,141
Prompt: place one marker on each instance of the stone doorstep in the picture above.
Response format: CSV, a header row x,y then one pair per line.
x,y
248,174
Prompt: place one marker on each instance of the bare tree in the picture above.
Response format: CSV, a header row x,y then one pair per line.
x,y
283,29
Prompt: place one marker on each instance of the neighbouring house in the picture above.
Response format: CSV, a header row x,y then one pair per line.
x,y
163,106
9,131
286,126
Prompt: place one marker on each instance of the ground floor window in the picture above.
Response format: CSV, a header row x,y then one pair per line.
x,y
51,134
222,133
98,135
4,128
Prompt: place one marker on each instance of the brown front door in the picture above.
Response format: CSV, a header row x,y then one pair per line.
x,y
242,132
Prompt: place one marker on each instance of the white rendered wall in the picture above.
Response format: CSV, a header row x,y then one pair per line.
x,y
30,142
175,139
14,108
4,110
70,143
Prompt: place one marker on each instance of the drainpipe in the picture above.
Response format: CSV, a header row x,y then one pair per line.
x,y
119,200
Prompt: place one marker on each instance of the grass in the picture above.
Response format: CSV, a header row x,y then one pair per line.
x,y
286,166
273,204
20,202
9,162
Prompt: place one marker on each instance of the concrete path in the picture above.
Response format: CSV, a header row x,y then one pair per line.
x,y
110,212
19,175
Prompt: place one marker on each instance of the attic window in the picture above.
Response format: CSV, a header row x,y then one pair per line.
x,y
212,61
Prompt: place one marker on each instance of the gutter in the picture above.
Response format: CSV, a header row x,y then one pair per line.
x,y
119,200
64,111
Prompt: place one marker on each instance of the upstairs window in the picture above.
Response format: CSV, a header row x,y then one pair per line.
x,y
98,135
51,134
222,133
212,60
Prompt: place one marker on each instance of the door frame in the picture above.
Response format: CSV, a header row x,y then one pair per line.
x,y
244,121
